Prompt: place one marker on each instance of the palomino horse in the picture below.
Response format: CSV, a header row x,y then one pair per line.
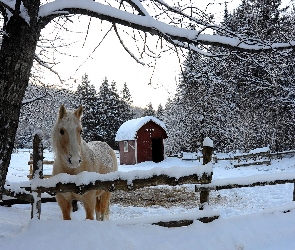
x,y
73,156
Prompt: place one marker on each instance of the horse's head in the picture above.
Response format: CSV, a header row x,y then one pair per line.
x,y
66,136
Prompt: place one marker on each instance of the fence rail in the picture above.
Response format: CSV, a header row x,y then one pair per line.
x,y
250,181
54,185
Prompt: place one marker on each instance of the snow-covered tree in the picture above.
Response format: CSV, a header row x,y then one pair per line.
x,y
126,110
41,113
265,82
86,94
160,112
149,110
173,119
205,108
137,112
109,107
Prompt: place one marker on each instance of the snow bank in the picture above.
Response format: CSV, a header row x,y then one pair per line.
x,y
256,231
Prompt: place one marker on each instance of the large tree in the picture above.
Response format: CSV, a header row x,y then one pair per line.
x,y
24,20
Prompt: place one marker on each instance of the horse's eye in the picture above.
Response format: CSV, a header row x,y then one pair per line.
x,y
61,131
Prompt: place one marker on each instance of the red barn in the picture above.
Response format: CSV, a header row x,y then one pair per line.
x,y
141,139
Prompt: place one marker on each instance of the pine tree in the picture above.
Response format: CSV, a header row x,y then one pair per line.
x,y
149,110
126,109
160,112
87,95
110,112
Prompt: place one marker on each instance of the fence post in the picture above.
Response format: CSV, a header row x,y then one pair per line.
x,y
37,156
37,173
207,157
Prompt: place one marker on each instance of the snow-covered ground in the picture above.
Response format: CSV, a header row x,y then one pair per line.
x,y
250,218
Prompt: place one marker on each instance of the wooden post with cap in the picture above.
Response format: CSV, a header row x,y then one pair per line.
x,y
207,157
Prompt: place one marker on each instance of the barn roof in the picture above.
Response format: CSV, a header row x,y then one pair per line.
x,y
128,130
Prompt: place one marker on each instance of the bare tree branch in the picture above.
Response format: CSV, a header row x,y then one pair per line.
x,y
45,65
125,47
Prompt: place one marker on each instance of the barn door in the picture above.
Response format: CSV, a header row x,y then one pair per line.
x,y
157,149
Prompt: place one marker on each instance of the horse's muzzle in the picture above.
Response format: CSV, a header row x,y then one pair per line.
x,y
74,162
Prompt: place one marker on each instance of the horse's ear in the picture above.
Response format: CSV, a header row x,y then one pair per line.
x,y
62,112
78,112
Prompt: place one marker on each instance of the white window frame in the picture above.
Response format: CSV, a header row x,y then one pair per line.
x,y
125,146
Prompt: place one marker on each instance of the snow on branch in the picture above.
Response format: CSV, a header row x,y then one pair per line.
x,y
8,4
173,32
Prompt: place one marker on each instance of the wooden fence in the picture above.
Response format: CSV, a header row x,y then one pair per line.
x,y
31,191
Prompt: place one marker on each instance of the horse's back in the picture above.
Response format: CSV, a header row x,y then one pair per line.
x,y
105,155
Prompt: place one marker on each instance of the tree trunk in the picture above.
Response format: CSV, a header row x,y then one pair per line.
x,y
16,59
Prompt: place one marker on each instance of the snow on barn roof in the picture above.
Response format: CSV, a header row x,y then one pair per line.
x,y
128,130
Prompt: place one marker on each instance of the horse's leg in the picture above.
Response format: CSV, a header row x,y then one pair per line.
x,y
103,206
65,206
97,209
89,200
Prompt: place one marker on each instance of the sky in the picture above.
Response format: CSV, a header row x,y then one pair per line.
x,y
110,60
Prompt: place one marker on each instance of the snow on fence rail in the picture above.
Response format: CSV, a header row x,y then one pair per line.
x,y
250,181
126,181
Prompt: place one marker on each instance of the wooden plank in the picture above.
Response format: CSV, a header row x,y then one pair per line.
x,y
236,185
19,195
45,162
46,176
10,202
253,163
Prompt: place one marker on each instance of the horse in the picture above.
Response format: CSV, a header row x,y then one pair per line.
x,y
73,156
